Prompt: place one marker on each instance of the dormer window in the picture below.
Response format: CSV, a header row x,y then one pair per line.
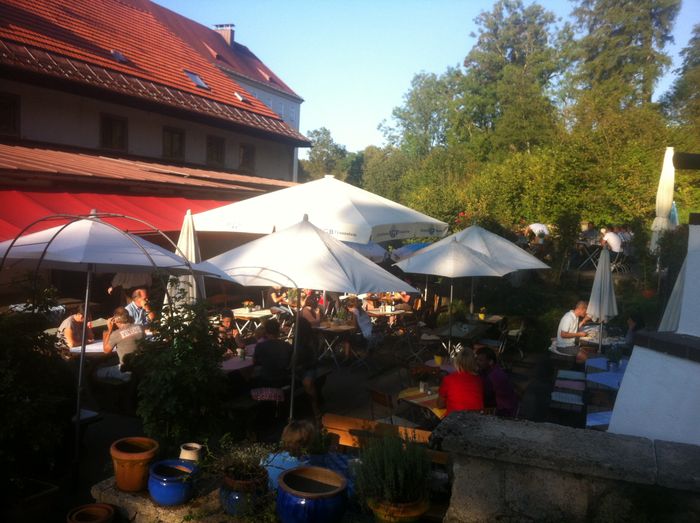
x,y
118,56
196,79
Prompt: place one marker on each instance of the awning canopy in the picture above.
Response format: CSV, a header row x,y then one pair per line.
x,y
20,208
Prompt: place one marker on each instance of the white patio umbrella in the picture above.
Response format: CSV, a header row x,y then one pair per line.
x,y
305,257
452,260
503,255
602,305
344,211
407,250
664,200
191,287
372,251
89,244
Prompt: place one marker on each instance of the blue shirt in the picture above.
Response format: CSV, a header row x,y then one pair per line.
x,y
139,315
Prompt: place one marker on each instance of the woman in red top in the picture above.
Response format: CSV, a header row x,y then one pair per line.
x,y
462,390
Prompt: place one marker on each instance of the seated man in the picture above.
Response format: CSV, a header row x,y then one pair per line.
x,y
71,329
273,357
611,240
570,329
123,336
140,309
498,390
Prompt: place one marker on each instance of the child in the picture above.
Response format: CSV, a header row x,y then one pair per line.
x,y
296,438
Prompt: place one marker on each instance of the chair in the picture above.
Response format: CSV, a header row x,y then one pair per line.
x,y
619,264
386,401
513,337
498,346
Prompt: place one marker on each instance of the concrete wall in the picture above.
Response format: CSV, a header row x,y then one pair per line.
x,y
66,119
506,470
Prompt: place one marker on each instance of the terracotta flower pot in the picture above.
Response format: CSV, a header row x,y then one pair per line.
x,y
399,512
131,457
92,513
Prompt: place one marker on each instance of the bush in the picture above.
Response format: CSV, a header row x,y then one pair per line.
x,y
181,385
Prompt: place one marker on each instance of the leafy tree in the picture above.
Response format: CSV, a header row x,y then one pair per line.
x,y
384,169
623,42
325,157
682,102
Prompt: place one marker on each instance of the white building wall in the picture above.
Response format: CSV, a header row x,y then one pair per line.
x,y
62,118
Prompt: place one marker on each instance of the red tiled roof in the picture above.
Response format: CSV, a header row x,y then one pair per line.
x,y
19,163
211,45
73,39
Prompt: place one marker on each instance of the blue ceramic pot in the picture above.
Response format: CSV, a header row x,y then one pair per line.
x,y
311,495
170,481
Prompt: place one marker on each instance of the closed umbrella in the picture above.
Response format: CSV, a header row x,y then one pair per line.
x,y
89,244
664,200
602,305
451,260
189,287
304,256
344,211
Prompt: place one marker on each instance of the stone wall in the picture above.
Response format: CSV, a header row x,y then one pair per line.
x,y
509,470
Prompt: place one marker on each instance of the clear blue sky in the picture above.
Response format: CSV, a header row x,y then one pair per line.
x,y
353,60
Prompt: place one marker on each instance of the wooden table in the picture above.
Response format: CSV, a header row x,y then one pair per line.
x,y
423,400
234,363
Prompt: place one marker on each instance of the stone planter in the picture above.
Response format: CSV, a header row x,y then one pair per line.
x,y
131,457
311,494
91,513
399,512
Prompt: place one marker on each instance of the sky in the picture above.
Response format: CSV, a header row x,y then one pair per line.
x,y
352,61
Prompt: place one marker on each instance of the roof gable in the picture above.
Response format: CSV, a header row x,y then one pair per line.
x,y
89,30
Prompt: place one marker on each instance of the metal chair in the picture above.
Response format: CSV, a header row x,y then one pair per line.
x,y
513,338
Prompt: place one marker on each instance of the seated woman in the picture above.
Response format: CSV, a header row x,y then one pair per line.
x,y
71,329
229,337
311,310
362,323
296,438
462,390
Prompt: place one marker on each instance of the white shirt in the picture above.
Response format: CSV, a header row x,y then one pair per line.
x,y
613,240
538,228
568,323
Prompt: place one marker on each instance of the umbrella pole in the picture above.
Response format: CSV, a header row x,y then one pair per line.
x,y
294,356
471,303
81,367
600,337
449,315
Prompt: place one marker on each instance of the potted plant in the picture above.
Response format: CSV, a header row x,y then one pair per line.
x,y
248,304
131,458
482,313
392,478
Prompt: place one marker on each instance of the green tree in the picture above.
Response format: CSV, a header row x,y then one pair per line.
x,y
384,169
623,42
682,102
325,157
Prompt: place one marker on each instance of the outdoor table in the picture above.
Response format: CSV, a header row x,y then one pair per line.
x,y
491,319
423,400
600,364
443,366
331,334
234,363
591,251
96,347
254,317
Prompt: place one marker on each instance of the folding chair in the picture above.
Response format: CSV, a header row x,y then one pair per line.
x,y
513,338
619,264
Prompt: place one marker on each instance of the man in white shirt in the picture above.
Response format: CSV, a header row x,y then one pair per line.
x,y
612,240
570,328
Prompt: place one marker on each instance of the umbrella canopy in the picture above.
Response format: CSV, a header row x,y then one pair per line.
x,y
451,260
303,256
90,243
372,251
664,199
190,286
407,250
344,211
602,305
503,255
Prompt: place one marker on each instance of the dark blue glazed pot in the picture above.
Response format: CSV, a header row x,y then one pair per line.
x,y
311,495
170,481
236,494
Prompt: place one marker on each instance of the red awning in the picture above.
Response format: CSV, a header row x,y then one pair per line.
x,y
20,208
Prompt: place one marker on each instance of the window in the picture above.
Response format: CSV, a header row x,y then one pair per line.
x,y
9,114
215,151
247,157
173,143
196,79
113,132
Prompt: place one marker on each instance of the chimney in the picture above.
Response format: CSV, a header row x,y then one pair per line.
x,y
227,31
